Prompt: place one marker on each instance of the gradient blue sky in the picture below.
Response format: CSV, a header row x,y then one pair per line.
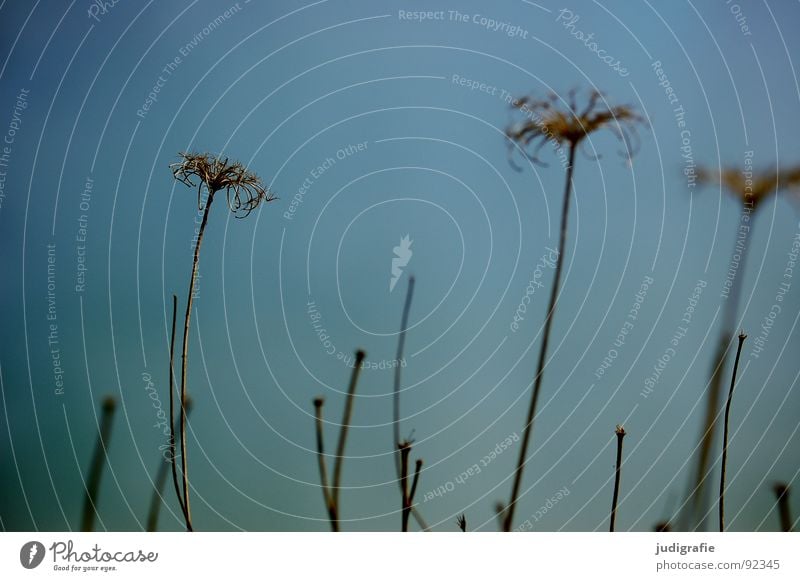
x,y
283,86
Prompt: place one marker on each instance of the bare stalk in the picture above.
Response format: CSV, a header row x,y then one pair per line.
x,y
781,490
537,385
96,468
750,191
715,386
742,337
323,470
620,431
331,493
161,478
401,342
185,358
172,452
407,494
348,414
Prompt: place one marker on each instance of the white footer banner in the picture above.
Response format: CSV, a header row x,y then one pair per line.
x,y
389,556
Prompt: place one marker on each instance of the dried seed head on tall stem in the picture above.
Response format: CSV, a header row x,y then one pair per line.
x,y
544,121
562,123
244,192
750,188
753,188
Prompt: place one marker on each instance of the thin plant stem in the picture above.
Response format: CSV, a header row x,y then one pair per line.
x,y
331,493
323,470
346,417
620,431
404,450
155,501
729,314
401,342
96,467
410,500
185,357
782,493
161,480
172,452
724,463
537,385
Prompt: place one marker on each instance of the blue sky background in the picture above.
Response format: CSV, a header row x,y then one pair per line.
x,y
283,86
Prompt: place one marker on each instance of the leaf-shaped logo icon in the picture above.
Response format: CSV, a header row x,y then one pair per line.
x,y
31,554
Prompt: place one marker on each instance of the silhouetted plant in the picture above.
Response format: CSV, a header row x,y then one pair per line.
x,y
461,521
161,477
99,459
620,432
331,493
549,121
751,192
724,462
244,192
781,490
401,342
408,494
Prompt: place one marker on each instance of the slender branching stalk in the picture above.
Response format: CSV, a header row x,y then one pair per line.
x,y
546,121
461,521
244,192
620,431
161,480
781,490
331,493
96,468
408,494
750,192
724,463
401,342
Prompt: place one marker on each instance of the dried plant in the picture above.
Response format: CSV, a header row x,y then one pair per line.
x,y
754,189
331,493
244,192
549,121
461,521
401,342
99,460
781,490
408,494
724,463
161,475
172,452
620,432
751,191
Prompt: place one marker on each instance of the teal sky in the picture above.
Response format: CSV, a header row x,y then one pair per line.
x,y
356,117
